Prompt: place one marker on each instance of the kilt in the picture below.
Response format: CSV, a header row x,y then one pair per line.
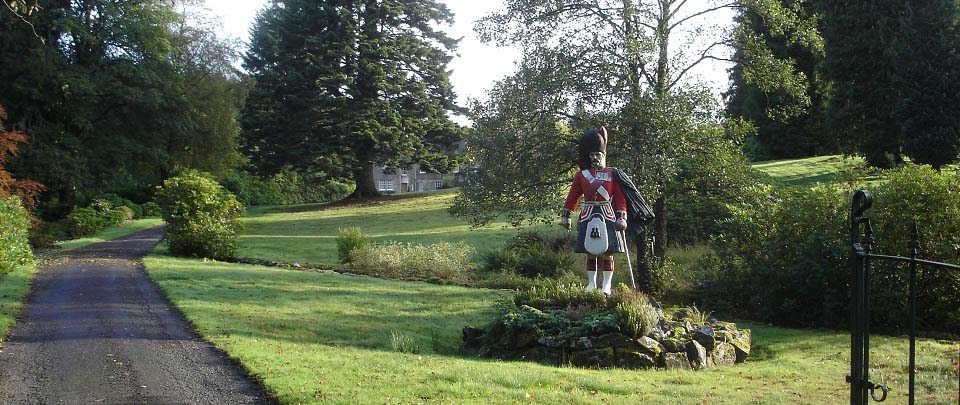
x,y
603,210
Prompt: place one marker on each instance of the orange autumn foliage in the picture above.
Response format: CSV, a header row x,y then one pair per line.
x,y
27,190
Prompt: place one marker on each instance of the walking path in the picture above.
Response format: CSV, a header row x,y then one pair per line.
x,y
95,330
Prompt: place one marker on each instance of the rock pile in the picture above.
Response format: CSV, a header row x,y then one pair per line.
x,y
677,343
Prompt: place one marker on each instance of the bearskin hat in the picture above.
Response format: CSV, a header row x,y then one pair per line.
x,y
592,140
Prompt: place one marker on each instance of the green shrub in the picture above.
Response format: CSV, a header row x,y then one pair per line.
x,y
151,209
112,201
349,240
101,205
442,262
513,281
784,258
113,217
135,209
564,313
124,212
202,218
633,311
14,235
533,254
560,296
85,221
933,199
284,188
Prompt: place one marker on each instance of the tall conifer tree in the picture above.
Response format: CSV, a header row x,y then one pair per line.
x,y
861,57
343,85
929,82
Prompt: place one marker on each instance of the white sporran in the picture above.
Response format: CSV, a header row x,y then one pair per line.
x,y
596,241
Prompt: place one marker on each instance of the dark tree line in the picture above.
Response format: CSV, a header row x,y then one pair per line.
x,y
884,85
114,96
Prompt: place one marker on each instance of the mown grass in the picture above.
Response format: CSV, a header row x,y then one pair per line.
x,y
108,234
14,286
317,337
808,171
308,234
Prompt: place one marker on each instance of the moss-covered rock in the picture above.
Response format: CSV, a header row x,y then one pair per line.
x,y
676,361
674,345
723,354
741,341
649,346
697,355
594,337
632,359
706,336
594,358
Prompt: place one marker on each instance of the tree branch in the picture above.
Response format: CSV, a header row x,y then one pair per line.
x,y
674,12
700,13
703,56
24,19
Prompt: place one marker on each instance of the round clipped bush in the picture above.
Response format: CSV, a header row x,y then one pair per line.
x,y
135,209
85,221
14,233
202,217
151,209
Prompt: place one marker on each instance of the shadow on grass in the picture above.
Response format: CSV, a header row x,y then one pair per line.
x,y
402,221
363,312
331,309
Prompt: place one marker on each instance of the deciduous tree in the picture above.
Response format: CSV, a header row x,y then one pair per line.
x,y
623,63
784,128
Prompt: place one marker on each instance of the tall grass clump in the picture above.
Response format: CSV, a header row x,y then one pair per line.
x,y
14,234
402,342
202,217
349,240
443,263
533,254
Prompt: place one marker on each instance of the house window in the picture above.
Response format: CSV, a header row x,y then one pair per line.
x,y
439,184
423,171
386,185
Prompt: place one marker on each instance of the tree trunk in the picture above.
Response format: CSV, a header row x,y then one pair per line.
x,y
366,188
660,227
642,265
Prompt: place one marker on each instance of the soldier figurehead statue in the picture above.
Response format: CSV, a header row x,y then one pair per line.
x,y
592,151
603,215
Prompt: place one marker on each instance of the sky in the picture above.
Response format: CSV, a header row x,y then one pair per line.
x,y
476,66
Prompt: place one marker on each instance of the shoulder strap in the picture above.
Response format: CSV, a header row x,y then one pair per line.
x,y
587,175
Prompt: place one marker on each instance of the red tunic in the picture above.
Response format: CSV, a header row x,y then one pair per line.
x,y
582,186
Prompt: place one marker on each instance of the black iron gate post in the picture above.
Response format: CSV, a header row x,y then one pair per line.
x,y
913,246
860,305
860,257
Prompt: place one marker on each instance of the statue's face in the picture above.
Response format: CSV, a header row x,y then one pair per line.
x,y
598,160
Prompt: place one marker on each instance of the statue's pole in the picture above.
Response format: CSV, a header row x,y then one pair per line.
x,y
626,251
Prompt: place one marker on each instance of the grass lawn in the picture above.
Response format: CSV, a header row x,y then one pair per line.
x,y
307,235
14,286
806,171
112,233
316,337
